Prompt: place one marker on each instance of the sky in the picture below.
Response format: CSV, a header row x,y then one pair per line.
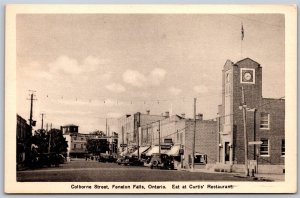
x,y
89,67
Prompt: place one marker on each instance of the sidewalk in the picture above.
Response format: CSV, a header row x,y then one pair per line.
x,y
259,177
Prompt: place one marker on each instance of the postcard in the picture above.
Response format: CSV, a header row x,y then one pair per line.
x,y
150,99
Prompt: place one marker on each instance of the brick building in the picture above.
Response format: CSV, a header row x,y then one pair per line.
x,y
178,131
128,126
76,141
23,140
264,120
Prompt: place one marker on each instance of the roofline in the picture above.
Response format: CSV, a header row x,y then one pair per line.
x,y
245,59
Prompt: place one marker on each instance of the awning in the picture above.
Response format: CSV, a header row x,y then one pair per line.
x,y
155,149
142,149
174,151
124,152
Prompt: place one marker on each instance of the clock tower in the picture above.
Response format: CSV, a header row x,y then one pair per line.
x,y
245,73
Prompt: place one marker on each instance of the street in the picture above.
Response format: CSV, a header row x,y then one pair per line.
x,y
89,171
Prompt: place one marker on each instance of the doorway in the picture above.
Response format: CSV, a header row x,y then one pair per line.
x,y
227,152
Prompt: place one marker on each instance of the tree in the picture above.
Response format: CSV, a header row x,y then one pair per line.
x,y
98,133
41,138
58,143
97,146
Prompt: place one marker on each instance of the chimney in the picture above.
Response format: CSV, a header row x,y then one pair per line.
x,y
167,114
199,116
183,115
148,112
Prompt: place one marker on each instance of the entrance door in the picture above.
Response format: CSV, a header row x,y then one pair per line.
x,y
227,151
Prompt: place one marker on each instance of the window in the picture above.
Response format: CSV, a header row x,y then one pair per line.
x,y
82,146
181,138
264,121
283,147
74,146
198,159
264,147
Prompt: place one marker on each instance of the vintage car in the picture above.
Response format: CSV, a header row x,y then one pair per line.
x,y
161,161
47,159
129,160
106,158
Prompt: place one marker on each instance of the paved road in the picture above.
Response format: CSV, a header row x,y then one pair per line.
x,y
89,171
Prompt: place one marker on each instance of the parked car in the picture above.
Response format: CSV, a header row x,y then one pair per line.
x,y
48,159
162,161
106,158
128,160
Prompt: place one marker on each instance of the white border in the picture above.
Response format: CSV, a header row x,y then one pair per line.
x,y
290,12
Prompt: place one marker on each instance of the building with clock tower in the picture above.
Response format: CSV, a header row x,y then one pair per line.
x,y
265,131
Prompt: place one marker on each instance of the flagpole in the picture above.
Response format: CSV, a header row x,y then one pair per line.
x,y
242,38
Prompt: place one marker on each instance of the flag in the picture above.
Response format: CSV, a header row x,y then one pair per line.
x,y
242,32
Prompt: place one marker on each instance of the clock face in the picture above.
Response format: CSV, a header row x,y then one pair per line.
x,y
247,76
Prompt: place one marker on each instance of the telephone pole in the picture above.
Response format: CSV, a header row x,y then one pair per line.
x,y
31,108
159,137
49,145
42,121
138,135
122,138
194,135
106,126
244,106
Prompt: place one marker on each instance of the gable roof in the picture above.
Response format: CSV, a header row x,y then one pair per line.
x,y
247,59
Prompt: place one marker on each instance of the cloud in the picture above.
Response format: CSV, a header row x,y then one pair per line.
x,y
91,63
200,89
114,87
65,64
72,66
35,70
134,78
106,76
175,91
137,79
156,76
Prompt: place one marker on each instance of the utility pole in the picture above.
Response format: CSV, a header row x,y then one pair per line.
x,y
138,135
127,141
106,126
159,137
50,137
31,107
244,106
42,121
47,127
194,135
122,138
